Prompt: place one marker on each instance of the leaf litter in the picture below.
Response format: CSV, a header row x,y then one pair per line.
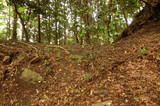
x,y
124,73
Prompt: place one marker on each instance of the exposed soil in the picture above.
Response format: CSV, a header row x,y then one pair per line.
x,y
121,74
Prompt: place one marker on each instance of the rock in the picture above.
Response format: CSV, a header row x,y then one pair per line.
x,y
6,60
31,76
106,103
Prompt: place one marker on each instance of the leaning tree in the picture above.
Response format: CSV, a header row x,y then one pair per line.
x,y
150,13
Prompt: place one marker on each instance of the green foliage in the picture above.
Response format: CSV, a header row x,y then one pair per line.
x,y
49,49
89,56
68,21
77,58
3,35
158,95
58,53
143,50
46,62
86,77
48,71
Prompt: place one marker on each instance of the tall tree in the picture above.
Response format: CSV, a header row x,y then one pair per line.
x,y
14,33
75,21
149,13
39,23
87,19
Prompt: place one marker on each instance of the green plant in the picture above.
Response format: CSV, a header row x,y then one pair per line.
x,y
143,50
90,56
158,95
86,77
76,58
46,62
48,70
48,49
58,52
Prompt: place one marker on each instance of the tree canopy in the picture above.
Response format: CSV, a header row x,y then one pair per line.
x,y
67,21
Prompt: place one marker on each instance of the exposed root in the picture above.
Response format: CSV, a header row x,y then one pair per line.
x,y
29,45
6,46
60,47
36,59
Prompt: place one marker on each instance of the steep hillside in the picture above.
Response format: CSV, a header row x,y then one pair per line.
x,y
124,73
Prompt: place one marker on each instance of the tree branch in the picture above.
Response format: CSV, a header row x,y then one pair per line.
x,y
145,2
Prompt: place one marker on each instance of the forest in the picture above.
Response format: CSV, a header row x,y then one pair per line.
x,y
79,53
66,21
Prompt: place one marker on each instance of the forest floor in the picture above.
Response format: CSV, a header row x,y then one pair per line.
x,y
126,73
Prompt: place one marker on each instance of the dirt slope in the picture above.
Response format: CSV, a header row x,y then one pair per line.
x,y
125,73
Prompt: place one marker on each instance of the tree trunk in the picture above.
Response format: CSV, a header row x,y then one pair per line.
x,y
14,33
149,14
109,17
24,29
75,31
88,20
56,23
48,30
65,37
56,33
9,22
39,28
23,23
125,18
39,24
23,36
76,36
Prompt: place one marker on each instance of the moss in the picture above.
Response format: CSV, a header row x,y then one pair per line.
x,y
143,50
77,58
31,76
86,77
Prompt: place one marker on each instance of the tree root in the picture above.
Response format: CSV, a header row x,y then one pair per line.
x,y
6,46
60,47
29,45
